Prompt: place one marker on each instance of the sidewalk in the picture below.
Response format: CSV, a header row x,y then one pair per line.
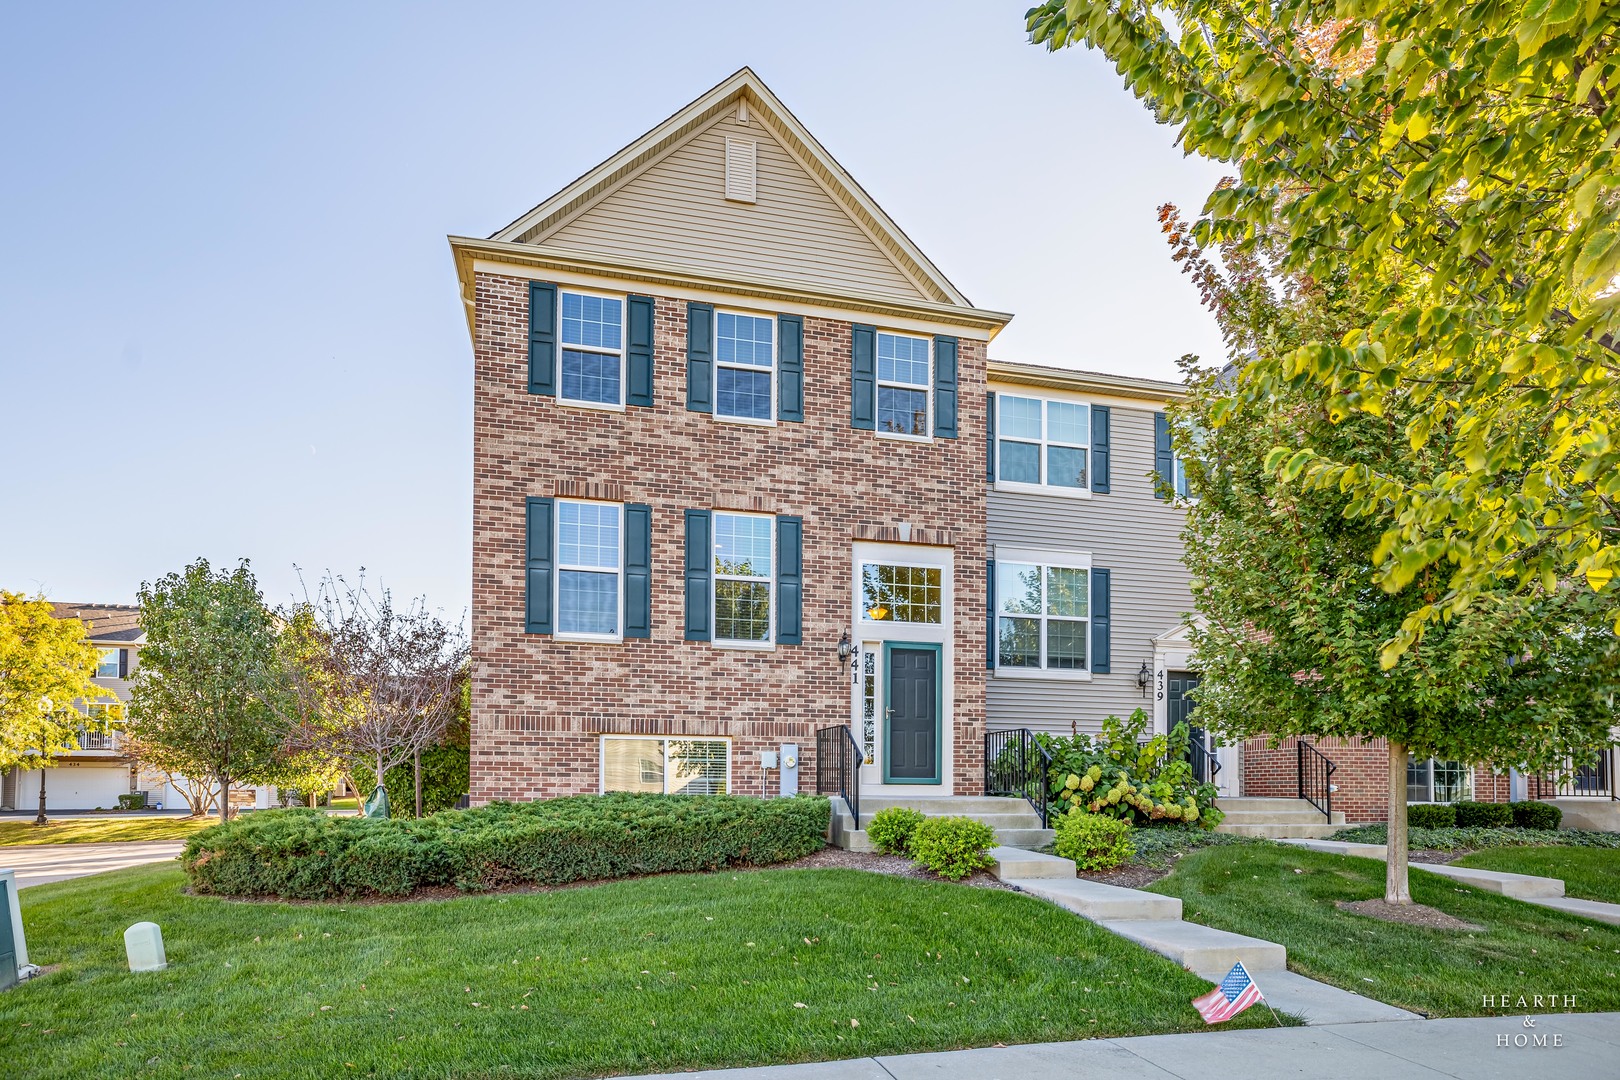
x,y
1466,1049
38,864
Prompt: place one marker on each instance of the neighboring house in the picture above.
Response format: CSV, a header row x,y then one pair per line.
x,y
747,486
98,772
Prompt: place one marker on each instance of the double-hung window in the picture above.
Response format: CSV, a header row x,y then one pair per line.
x,y
1043,615
744,362
674,766
108,666
589,569
1436,781
592,350
743,546
903,379
1042,442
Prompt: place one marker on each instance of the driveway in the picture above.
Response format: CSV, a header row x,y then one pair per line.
x,y
37,864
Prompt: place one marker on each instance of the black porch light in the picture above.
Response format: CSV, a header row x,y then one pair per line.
x,y
1144,675
845,649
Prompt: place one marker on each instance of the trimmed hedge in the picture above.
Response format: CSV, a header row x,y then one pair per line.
x,y
1093,841
307,855
890,829
1477,839
1484,815
952,847
1536,815
1431,816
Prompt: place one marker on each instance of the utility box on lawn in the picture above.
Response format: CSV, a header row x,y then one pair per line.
x,y
10,931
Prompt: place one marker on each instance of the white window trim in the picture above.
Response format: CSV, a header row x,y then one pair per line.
x,y
115,650
1468,793
1063,560
557,571
772,371
769,644
903,627
878,383
1024,487
665,740
624,333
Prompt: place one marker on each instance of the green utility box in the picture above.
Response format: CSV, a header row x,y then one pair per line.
x,y
8,941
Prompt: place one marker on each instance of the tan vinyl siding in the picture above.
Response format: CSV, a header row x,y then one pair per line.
x,y
1129,532
676,211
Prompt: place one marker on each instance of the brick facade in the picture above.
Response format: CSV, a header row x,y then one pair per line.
x,y
539,704
1360,776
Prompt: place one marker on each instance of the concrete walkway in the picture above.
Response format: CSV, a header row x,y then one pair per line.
x,y
1154,922
1575,1046
38,864
1545,891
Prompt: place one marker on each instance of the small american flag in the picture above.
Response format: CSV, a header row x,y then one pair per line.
x,y
1235,993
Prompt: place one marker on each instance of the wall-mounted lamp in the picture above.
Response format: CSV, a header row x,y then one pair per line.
x,y
1144,675
845,649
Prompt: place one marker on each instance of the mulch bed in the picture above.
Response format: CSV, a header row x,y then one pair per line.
x,y
833,858
1129,876
1410,914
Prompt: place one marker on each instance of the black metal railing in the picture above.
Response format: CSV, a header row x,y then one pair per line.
x,y
1205,765
1016,764
1594,780
838,767
1315,776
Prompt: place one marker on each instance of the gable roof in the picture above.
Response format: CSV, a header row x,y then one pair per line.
x,y
105,622
541,225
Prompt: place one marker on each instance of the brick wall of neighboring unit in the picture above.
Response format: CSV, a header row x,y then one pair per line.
x,y
540,704
1361,775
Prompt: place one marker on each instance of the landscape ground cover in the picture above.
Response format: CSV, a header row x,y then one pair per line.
x,y
653,974
1587,873
101,830
1288,895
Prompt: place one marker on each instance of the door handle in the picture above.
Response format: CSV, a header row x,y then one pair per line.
x,y
888,712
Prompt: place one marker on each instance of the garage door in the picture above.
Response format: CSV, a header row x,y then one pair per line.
x,y
71,786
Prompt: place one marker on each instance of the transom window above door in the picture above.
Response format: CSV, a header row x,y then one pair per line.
x,y
902,594
744,355
1043,442
1043,613
903,379
592,350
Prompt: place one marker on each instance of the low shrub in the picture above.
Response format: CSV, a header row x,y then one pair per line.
x,y
952,847
890,829
1430,816
1094,841
1484,815
1125,772
135,800
1477,839
307,855
1536,815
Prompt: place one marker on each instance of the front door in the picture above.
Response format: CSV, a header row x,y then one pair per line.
x,y
1179,709
911,715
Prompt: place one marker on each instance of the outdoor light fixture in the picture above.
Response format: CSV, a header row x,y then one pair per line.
x,y
845,649
877,613
1144,675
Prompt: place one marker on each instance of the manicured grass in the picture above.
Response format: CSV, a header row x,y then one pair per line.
x,y
1588,873
101,830
350,802
1255,890
655,974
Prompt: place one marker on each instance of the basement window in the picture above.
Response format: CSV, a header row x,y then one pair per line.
x,y
666,766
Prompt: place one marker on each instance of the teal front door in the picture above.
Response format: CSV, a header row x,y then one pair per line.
x,y
912,714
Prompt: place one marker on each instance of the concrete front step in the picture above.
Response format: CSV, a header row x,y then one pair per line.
x,y
1281,832
1013,862
1200,948
1101,903
947,805
1308,816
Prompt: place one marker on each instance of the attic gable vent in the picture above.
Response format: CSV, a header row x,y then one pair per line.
x,y
741,169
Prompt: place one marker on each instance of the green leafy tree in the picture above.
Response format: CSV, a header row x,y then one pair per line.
x,y
47,672
1294,623
211,692
1456,161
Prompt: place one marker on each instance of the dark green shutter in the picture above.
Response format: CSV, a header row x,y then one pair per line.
x,y
1100,417
123,663
700,357
699,570
1101,622
790,368
945,388
638,353
543,338
990,623
863,378
537,569
990,440
637,571
789,580
1164,455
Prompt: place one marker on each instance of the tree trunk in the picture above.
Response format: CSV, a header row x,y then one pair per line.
x,y
379,772
416,766
224,798
1397,889
40,820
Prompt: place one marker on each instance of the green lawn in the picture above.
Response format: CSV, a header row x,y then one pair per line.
x,y
655,974
1255,890
100,830
1588,873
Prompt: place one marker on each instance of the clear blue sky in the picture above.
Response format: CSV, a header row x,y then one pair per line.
x,y
228,316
